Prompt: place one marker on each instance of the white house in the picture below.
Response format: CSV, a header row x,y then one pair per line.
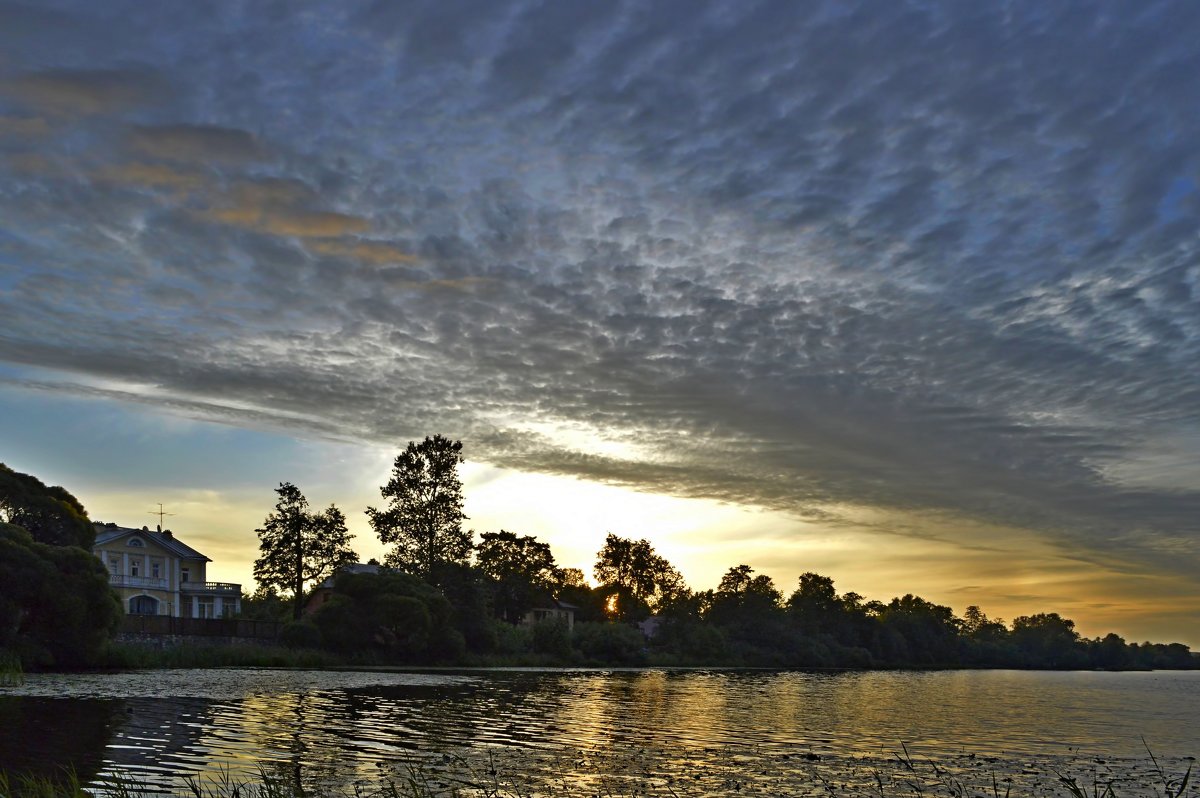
x,y
551,609
154,573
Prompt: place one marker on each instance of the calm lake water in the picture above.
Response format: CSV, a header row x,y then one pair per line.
x,y
343,726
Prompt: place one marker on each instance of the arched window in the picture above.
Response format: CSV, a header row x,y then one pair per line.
x,y
143,605
135,542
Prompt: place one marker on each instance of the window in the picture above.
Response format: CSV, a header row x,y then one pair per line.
x,y
183,574
143,605
134,568
114,565
206,608
136,542
155,570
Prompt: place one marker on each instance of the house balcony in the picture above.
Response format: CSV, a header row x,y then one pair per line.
x,y
211,587
144,582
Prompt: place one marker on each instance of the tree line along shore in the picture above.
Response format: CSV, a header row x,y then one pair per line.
x,y
441,596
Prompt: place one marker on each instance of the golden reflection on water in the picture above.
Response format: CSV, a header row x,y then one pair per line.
x,y
338,728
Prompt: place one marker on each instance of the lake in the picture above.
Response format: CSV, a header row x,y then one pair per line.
x,y
727,731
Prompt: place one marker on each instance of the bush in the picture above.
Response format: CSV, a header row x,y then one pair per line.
x,y
300,634
511,639
552,637
610,643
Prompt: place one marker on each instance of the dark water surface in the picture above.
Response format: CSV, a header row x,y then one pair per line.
x,y
348,725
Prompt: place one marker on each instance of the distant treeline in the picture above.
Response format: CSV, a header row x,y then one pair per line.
x,y
485,612
443,596
447,597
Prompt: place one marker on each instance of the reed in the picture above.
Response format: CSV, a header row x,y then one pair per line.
x,y
11,673
486,777
247,655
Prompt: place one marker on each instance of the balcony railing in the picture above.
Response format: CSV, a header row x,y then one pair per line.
x,y
151,583
210,587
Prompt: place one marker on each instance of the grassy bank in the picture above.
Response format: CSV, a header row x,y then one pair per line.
x,y
129,656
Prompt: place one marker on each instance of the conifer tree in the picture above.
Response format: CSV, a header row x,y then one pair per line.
x,y
300,548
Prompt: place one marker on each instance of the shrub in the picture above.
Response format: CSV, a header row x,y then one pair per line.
x,y
552,637
610,643
300,634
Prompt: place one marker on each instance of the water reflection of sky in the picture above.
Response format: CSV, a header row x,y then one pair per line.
x,y
348,726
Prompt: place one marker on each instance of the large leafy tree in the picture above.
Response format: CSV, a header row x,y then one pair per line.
x,y
300,548
424,515
639,577
815,607
49,514
521,568
1047,640
56,608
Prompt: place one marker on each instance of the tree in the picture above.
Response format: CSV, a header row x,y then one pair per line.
x,y
521,569
300,548
49,514
742,598
640,576
977,626
56,608
1047,640
425,508
929,631
814,606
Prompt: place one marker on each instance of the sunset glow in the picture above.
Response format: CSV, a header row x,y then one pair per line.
x,y
906,297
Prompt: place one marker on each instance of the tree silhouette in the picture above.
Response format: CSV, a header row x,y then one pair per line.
x,y
425,508
300,548
49,514
522,569
640,577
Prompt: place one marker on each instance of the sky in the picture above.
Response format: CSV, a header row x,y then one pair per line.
x,y
903,293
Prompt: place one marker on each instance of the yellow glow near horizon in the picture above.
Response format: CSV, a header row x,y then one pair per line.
x,y
953,561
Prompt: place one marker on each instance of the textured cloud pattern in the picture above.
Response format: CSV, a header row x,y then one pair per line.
x,y
933,256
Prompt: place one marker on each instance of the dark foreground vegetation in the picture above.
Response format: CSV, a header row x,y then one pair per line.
x,y
444,598
641,771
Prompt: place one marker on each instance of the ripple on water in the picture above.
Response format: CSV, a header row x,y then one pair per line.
x,y
345,725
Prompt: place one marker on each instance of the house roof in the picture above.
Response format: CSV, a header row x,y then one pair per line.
x,y
107,533
353,568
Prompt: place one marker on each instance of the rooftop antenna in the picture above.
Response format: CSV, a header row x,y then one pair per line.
x,y
161,514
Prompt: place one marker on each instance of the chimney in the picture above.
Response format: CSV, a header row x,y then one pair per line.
x,y
160,529
167,533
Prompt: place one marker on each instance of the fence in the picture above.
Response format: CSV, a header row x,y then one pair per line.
x,y
200,627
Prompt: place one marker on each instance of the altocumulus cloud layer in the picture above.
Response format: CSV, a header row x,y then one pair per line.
x,y
914,256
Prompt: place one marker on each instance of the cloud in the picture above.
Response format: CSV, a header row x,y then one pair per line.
x,y
364,251
913,258
84,92
289,222
281,207
196,143
23,126
153,175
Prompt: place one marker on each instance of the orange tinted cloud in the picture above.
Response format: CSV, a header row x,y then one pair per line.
x,y
289,222
196,143
32,163
152,175
271,191
23,126
374,252
281,207
83,92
